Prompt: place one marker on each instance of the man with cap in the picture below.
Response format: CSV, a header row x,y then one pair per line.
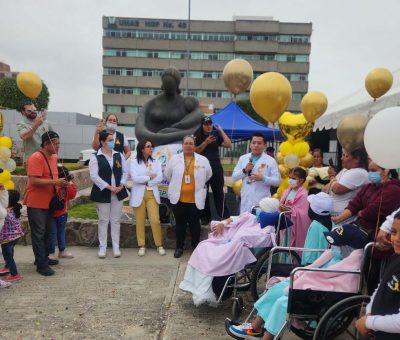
x,y
42,182
208,138
31,127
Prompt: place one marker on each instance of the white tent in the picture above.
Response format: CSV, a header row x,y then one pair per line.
x,y
359,102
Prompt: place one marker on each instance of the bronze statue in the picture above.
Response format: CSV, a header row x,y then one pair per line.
x,y
168,117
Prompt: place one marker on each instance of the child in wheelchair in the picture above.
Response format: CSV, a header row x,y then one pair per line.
x,y
345,254
382,319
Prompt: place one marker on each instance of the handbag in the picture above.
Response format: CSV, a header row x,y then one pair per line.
x,y
56,203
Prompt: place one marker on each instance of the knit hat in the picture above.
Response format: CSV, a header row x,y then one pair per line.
x,y
321,203
347,235
269,204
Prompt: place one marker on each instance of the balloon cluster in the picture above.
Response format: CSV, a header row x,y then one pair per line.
x,y
7,164
295,150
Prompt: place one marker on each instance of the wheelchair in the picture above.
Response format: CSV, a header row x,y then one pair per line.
x,y
315,314
230,285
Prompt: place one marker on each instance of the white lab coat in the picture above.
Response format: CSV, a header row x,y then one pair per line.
x,y
252,193
174,172
140,175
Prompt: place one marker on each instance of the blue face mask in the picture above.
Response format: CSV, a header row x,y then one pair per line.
x,y
374,177
111,145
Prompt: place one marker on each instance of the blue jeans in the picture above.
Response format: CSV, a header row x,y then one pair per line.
x,y
8,255
57,234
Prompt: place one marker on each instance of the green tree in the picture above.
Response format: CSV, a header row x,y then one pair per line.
x,y
12,98
246,106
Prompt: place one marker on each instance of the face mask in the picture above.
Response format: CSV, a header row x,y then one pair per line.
x,y
111,126
336,253
374,177
293,182
111,145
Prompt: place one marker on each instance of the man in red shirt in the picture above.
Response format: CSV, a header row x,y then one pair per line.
x,y
42,181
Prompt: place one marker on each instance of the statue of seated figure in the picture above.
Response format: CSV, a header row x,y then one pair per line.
x,y
168,117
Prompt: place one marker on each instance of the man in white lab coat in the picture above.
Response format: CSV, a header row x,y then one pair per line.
x,y
258,173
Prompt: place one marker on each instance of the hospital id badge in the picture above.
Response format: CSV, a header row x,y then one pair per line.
x,y
187,179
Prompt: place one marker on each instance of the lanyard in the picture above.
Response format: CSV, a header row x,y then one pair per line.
x,y
254,159
187,166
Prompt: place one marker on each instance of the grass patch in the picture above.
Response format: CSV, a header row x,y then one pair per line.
x,y
20,169
228,167
85,211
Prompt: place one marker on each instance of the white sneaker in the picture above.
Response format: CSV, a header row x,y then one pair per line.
x,y
117,253
161,251
102,254
142,251
52,256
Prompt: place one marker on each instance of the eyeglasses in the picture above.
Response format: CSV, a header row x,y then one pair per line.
x,y
30,111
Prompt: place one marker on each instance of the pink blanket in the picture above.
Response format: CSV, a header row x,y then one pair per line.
x,y
229,253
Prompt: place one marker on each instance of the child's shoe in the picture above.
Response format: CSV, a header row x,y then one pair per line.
x,y
4,284
4,271
12,278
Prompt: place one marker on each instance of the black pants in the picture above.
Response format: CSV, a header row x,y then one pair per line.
x,y
186,214
217,186
8,255
40,221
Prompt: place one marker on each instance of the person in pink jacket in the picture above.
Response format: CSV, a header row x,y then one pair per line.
x,y
294,201
272,306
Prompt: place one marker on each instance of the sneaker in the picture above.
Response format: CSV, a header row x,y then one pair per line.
x,y
142,251
102,254
161,251
244,331
52,256
65,255
4,284
117,253
4,271
12,278
52,262
45,271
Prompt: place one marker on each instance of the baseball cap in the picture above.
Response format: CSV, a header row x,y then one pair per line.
x,y
347,235
206,120
49,135
321,203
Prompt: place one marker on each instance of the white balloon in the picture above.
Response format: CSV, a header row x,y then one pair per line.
x,y
382,138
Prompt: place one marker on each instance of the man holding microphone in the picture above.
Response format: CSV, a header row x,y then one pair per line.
x,y
258,173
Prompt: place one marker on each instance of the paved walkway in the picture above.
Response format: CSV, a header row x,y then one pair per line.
x,y
89,298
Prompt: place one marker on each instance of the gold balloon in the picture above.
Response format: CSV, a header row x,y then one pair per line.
x,y
350,132
238,75
313,105
294,127
280,157
270,95
1,122
307,160
5,176
378,82
29,83
284,170
237,187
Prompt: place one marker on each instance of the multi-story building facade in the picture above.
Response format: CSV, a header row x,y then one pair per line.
x,y
5,71
137,50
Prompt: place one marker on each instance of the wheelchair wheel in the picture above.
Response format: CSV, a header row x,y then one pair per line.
x,y
237,307
338,318
282,264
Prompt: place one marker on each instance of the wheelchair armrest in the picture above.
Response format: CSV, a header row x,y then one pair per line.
x,y
321,270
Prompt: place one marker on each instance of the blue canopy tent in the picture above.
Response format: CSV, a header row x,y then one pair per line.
x,y
238,125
